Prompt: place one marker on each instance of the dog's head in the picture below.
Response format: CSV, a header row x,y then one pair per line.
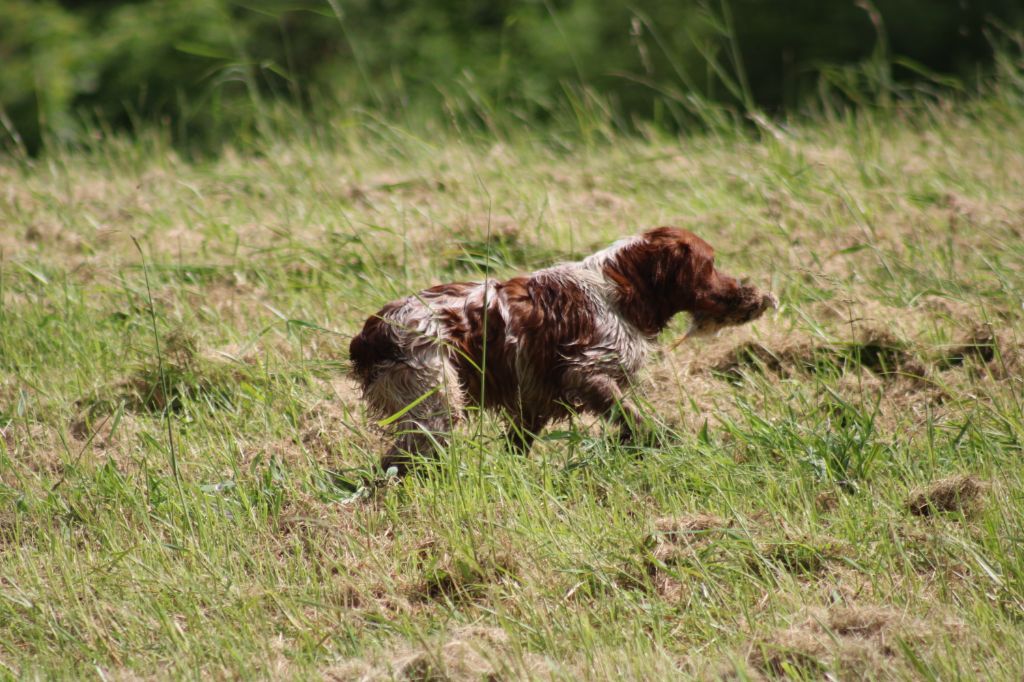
x,y
669,270
728,304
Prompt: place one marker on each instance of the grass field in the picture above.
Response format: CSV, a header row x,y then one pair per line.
x,y
837,490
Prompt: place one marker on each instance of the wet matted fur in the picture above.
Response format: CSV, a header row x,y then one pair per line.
x,y
569,337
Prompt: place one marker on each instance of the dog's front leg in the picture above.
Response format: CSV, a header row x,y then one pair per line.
x,y
601,395
522,430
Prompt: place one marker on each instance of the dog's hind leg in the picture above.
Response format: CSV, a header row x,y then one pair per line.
x,y
425,403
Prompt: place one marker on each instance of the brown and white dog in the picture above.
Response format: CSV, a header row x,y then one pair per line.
x,y
569,337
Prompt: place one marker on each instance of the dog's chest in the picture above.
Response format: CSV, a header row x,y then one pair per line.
x,y
619,344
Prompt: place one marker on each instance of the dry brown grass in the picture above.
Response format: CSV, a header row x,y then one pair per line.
x,y
465,654
851,642
34,447
962,493
675,540
471,653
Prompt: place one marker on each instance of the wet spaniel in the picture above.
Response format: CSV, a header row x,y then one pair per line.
x,y
569,337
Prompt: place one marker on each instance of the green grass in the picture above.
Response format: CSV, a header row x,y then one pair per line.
x,y
181,444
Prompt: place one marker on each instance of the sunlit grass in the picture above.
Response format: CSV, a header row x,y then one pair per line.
x,y
772,529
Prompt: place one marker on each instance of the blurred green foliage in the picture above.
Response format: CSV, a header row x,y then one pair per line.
x,y
206,69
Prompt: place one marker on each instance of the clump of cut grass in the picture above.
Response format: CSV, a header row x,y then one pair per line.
x,y
983,351
456,576
686,529
781,358
979,344
678,536
961,493
800,557
880,351
854,642
874,349
181,377
469,653
827,501
676,540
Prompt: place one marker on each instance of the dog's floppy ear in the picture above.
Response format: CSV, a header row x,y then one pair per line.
x,y
692,263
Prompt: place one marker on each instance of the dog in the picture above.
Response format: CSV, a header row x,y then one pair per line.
x,y
569,338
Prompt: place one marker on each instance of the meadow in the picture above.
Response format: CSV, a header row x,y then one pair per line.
x,y
835,491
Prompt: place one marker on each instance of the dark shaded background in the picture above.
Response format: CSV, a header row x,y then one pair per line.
x,y
211,70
